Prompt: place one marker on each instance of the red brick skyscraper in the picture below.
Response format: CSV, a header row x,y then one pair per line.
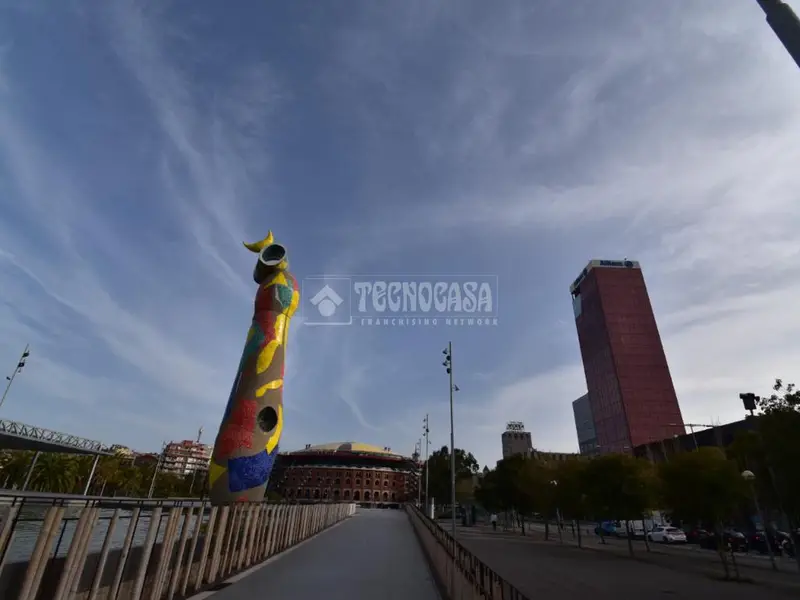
x,y
631,393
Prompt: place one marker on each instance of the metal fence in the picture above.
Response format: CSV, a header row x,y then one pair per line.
x,y
459,573
84,548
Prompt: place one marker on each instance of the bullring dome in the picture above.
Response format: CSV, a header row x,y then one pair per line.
x,y
351,447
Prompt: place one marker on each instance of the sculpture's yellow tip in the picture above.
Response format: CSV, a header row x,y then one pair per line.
x,y
259,246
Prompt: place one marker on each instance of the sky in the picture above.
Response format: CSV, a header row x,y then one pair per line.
x,y
142,142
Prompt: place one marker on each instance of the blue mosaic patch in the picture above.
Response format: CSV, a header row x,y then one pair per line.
x,y
253,344
229,405
248,472
283,294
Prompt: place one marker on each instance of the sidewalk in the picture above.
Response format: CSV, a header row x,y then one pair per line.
x,y
374,554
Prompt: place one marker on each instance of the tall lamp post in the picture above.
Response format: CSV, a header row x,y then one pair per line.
x,y
18,369
554,483
417,457
448,364
750,477
426,434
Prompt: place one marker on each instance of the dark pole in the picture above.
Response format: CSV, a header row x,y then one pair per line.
x,y
20,364
784,22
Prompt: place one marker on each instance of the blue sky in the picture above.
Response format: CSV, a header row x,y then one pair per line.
x,y
141,142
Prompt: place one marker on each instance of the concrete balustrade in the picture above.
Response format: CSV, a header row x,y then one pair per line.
x,y
169,549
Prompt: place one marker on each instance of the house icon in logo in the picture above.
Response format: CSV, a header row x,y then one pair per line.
x,y
326,301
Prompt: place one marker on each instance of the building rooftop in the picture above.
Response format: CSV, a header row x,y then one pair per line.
x,y
616,264
347,447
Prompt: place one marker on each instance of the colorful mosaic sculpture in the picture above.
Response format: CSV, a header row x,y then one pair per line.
x,y
248,437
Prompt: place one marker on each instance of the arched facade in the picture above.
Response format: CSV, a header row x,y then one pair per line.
x,y
346,472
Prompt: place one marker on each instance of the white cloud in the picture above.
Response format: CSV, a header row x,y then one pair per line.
x,y
526,137
122,328
678,140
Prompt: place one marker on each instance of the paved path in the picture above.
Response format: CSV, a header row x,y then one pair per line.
x,y
374,554
549,569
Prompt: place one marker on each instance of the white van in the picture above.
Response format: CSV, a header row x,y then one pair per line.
x,y
635,527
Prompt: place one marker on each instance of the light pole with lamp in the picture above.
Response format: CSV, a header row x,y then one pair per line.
x,y
18,369
417,453
426,434
750,477
448,364
554,483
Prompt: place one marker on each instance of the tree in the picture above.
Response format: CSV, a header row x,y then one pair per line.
x,y
519,485
785,398
541,487
53,473
486,494
703,487
618,486
465,490
114,476
14,467
570,493
779,429
439,471
749,453
515,485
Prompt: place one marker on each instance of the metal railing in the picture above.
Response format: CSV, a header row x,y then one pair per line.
x,y
68,547
459,573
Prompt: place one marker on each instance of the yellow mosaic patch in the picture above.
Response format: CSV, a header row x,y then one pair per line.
x,y
276,436
272,385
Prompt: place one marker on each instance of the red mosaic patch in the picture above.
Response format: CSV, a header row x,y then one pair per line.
x,y
268,326
239,431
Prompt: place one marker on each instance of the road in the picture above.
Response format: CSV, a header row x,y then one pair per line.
x,y
539,568
753,560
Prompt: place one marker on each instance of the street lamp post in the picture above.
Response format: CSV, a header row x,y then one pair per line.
x,y
18,369
448,364
417,452
158,467
426,434
750,477
554,483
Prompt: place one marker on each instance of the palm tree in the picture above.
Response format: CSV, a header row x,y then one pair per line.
x,y
107,476
14,467
55,473
67,473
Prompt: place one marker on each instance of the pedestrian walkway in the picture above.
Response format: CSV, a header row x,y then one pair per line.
x,y
374,554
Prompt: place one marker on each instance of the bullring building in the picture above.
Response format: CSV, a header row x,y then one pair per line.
x,y
346,472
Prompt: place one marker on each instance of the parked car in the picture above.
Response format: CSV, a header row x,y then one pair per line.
x,y
693,536
735,540
667,535
780,541
605,529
